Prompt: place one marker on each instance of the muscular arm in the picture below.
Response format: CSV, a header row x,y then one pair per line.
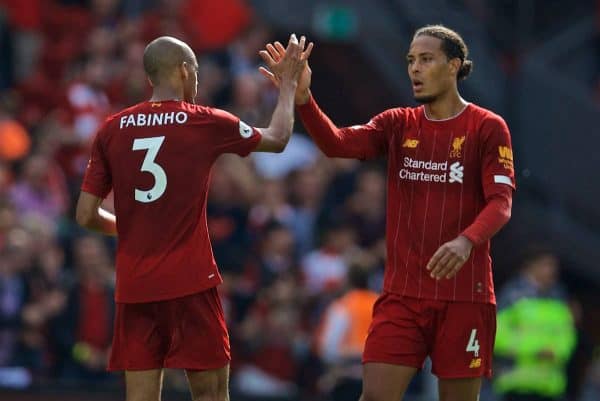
x,y
91,216
275,137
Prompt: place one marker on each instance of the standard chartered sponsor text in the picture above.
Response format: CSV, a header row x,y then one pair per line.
x,y
434,171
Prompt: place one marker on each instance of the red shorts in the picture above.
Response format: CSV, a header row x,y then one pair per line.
x,y
184,333
457,336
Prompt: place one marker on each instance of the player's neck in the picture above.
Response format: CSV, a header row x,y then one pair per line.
x,y
445,107
164,94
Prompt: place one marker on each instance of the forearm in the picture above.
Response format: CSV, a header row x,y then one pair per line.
x,y
328,137
490,220
282,121
102,222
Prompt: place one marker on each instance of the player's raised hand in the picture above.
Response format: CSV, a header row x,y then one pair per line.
x,y
450,258
273,56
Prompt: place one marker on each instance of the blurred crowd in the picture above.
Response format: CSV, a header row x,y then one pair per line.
x,y
299,238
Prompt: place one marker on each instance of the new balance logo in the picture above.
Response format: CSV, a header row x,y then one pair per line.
x,y
410,143
475,363
456,173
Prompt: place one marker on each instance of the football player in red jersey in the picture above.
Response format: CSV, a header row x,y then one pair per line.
x,y
156,156
450,185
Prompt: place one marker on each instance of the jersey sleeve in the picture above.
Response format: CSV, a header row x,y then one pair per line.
x,y
497,157
232,135
97,179
365,141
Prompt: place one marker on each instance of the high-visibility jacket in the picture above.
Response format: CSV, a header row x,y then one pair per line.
x,y
345,326
525,329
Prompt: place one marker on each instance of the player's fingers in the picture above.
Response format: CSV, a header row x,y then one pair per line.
x,y
267,58
280,48
306,53
302,43
445,266
293,42
441,264
435,258
455,267
273,52
269,75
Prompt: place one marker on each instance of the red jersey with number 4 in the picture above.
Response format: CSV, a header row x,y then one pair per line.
x,y
440,175
157,158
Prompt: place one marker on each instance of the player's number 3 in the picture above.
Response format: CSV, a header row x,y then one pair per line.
x,y
152,145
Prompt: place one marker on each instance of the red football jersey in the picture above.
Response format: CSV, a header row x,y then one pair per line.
x,y
157,158
440,174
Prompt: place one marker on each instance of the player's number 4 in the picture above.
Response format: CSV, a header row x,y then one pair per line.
x,y
152,146
473,344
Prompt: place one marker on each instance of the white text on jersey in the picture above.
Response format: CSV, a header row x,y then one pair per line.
x,y
152,119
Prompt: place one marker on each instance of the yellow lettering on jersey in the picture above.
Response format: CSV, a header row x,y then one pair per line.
x,y
410,143
457,146
475,363
505,152
156,104
506,157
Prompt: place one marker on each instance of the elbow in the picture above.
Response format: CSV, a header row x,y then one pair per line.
x,y
279,146
506,210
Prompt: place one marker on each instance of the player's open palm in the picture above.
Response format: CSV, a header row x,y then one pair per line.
x,y
449,258
273,57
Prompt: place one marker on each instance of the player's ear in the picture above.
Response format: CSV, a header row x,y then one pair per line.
x,y
183,68
454,65
150,82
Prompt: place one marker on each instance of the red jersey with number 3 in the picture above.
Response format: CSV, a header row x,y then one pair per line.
x,y
157,158
440,174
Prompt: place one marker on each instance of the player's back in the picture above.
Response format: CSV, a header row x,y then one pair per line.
x,y
158,157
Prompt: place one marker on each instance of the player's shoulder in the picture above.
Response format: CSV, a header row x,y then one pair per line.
x,y
485,116
394,115
208,113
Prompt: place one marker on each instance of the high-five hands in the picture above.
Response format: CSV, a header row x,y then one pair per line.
x,y
293,59
449,258
274,57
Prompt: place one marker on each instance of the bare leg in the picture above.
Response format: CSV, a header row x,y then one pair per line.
x,y
385,382
209,385
459,389
143,385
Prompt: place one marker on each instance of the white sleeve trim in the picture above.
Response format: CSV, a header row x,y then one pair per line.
x,y
503,179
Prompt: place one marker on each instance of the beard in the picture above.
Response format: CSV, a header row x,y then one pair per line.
x,y
425,99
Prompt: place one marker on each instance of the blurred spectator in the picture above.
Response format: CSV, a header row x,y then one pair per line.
x,y
227,216
271,205
40,190
87,100
342,335
274,342
15,261
83,331
536,334
307,187
365,208
300,153
46,299
25,17
324,269
14,139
